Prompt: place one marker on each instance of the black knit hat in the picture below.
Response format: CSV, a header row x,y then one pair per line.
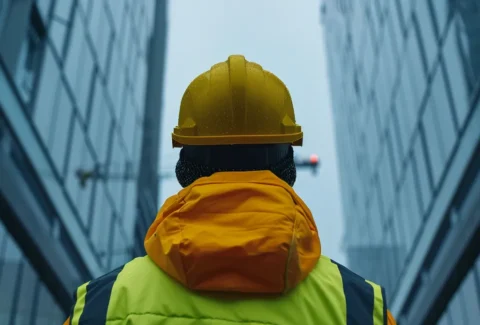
x,y
203,161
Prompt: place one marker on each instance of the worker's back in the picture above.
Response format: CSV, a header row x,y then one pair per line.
x,y
141,293
233,248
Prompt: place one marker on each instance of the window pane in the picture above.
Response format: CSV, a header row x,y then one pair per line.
x,y
444,320
400,233
397,30
410,201
375,220
471,298
129,205
404,105
432,136
63,9
43,7
441,9
443,112
396,144
79,65
368,58
100,30
80,159
57,33
74,50
456,75
26,294
416,73
116,79
100,122
117,170
424,17
10,265
468,27
60,128
422,170
121,247
138,144
48,311
406,10
386,181
140,83
46,96
456,308
28,62
101,224
59,24
86,6
128,128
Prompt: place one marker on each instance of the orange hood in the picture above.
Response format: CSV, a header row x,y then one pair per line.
x,y
237,232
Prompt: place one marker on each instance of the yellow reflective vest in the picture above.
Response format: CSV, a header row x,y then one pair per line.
x,y
233,248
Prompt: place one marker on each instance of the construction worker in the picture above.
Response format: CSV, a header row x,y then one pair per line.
x,y
236,245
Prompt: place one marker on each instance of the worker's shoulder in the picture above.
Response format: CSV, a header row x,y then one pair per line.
x,y
137,266
326,264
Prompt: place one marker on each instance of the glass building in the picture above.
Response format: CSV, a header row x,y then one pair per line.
x,y
73,103
405,83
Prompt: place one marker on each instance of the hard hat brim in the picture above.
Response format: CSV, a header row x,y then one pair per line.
x,y
295,139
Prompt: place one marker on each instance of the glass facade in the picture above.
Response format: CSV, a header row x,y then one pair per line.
x,y
405,83
73,79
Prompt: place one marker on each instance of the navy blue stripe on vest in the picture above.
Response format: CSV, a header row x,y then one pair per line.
x,y
385,320
98,298
359,297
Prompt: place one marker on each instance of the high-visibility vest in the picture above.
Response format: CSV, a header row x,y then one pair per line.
x,y
141,293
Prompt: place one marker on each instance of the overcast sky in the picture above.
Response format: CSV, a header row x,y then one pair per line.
x,y
286,38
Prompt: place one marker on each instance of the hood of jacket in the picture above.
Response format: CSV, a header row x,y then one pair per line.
x,y
245,232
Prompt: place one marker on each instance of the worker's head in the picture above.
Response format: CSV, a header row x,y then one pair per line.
x,y
236,117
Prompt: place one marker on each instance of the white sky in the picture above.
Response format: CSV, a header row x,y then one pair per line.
x,y
286,38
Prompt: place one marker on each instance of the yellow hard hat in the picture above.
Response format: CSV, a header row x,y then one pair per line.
x,y
236,102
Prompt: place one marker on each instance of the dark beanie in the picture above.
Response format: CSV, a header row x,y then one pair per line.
x,y
203,161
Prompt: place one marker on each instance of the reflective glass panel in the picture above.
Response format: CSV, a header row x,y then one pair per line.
x,y
441,9
48,312
43,8
117,171
46,96
456,309
468,27
101,224
471,296
443,114
28,62
422,172
60,23
100,29
428,37
10,267
432,136
128,128
121,247
456,75
26,294
60,131
80,160
415,78
100,122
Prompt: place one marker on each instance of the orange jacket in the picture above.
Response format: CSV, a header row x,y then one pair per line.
x,y
276,231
